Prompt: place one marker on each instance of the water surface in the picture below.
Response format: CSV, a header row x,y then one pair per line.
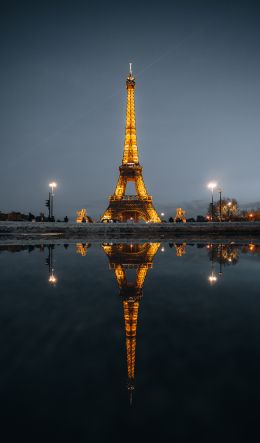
x,y
130,341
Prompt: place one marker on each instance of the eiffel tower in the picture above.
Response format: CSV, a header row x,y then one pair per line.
x,y
134,207
122,257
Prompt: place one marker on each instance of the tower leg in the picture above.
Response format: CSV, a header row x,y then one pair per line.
x,y
120,187
140,187
120,275
153,215
140,275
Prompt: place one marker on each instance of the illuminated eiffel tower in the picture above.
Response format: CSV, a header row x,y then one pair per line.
x,y
136,207
122,257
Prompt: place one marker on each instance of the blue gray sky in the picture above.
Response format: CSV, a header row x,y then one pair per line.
x,y
62,100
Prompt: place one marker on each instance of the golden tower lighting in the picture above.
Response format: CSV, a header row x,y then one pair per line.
x,y
121,258
124,207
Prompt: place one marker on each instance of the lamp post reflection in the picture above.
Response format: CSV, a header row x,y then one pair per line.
x,y
212,278
50,262
224,254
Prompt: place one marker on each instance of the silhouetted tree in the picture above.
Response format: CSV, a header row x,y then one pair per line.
x,y
201,218
229,209
31,216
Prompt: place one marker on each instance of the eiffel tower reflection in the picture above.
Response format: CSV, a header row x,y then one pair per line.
x,y
123,257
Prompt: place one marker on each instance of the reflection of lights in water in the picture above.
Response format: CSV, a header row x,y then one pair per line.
x,y
212,278
251,247
180,249
52,279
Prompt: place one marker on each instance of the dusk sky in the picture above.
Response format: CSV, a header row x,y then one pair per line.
x,y
63,100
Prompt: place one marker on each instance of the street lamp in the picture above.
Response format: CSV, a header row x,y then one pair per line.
x,y
52,185
220,204
212,186
229,207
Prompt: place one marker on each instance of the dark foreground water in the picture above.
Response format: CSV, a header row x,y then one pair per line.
x,y
130,342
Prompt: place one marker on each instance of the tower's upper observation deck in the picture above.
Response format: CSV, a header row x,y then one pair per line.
x,y
130,146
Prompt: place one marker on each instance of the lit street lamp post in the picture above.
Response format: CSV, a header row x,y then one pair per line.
x,y
52,185
52,277
220,205
48,204
212,277
212,186
229,206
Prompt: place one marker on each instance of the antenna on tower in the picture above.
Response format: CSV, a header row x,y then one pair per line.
x,y
130,69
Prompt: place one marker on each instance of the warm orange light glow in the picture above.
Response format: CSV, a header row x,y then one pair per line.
x,y
251,247
180,215
212,278
52,279
123,257
180,249
139,206
81,215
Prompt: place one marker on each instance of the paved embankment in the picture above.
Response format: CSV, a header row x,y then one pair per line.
x,y
129,230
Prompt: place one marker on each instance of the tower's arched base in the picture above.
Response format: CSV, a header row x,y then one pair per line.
x,y
131,209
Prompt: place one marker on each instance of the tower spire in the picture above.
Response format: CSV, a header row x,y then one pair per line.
x,y
131,308
130,146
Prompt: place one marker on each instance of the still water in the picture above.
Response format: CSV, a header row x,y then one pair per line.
x,y
130,341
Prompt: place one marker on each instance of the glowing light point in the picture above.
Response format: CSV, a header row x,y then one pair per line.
x,y
212,278
212,186
52,279
52,185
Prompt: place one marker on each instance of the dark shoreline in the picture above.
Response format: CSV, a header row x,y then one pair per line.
x,y
100,231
